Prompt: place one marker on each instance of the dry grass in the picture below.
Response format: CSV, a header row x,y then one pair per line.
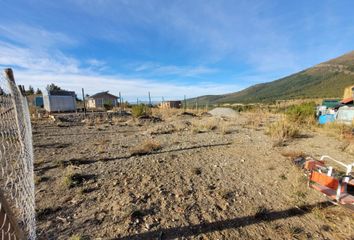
x,y
225,128
76,237
163,129
257,117
292,154
283,130
349,147
205,125
147,147
72,178
338,130
102,145
166,113
68,178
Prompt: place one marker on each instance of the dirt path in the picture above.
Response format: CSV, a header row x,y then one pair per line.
x,y
201,184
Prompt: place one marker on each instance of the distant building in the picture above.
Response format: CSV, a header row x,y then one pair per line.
x,y
348,92
99,100
170,104
348,96
59,101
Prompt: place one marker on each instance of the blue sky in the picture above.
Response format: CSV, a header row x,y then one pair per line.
x,y
170,48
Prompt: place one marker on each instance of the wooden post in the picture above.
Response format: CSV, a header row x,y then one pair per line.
x,y
185,103
196,105
120,102
83,99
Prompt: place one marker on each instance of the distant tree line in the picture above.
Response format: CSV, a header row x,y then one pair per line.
x,y
50,87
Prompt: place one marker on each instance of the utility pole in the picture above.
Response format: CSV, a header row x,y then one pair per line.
x,y
120,102
137,101
83,99
150,100
185,103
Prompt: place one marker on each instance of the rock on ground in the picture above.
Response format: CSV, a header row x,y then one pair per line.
x,y
223,112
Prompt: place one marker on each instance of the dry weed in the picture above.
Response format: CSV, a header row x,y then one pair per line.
x,y
257,118
349,147
76,237
147,147
163,129
205,125
283,130
339,130
292,154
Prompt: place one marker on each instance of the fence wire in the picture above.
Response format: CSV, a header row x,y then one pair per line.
x,y
16,157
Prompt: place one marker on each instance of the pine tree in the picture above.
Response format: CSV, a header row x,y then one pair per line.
x,y
38,91
30,90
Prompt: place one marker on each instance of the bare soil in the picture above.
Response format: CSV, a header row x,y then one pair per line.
x,y
205,178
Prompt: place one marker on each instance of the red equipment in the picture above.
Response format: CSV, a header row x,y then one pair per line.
x,y
340,190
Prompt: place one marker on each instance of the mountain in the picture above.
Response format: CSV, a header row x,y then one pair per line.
x,y
325,80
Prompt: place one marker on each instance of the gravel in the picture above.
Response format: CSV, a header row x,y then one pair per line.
x,y
223,112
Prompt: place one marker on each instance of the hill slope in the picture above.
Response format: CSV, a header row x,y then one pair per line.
x,y
325,80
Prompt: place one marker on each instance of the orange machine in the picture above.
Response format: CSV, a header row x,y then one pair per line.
x,y
340,190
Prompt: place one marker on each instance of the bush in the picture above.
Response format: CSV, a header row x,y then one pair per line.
x,y
302,113
107,106
147,147
283,130
140,110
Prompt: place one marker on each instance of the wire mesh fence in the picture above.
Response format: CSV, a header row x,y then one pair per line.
x,y
16,162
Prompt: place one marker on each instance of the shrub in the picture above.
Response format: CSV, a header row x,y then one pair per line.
x,y
283,130
147,147
205,125
76,237
302,113
140,110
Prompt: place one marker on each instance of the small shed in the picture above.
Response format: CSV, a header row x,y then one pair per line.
x,y
102,99
59,101
170,104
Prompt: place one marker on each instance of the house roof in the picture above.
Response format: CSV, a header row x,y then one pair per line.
x,y
103,95
347,100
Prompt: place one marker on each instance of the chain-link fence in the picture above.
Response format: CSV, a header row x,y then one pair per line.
x,y
16,163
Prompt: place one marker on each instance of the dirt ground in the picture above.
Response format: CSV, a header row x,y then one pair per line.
x,y
181,177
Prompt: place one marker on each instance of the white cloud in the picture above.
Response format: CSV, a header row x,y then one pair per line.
x,y
41,66
36,60
34,37
183,71
131,88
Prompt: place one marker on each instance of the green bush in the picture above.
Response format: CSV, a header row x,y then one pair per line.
x,y
303,113
140,110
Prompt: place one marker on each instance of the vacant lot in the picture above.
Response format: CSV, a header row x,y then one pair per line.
x,y
179,177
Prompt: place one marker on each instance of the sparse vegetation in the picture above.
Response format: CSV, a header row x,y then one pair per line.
x,y
72,179
147,147
283,130
140,188
205,125
302,114
141,110
76,237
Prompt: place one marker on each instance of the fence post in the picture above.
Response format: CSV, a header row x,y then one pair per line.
x,y
83,99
